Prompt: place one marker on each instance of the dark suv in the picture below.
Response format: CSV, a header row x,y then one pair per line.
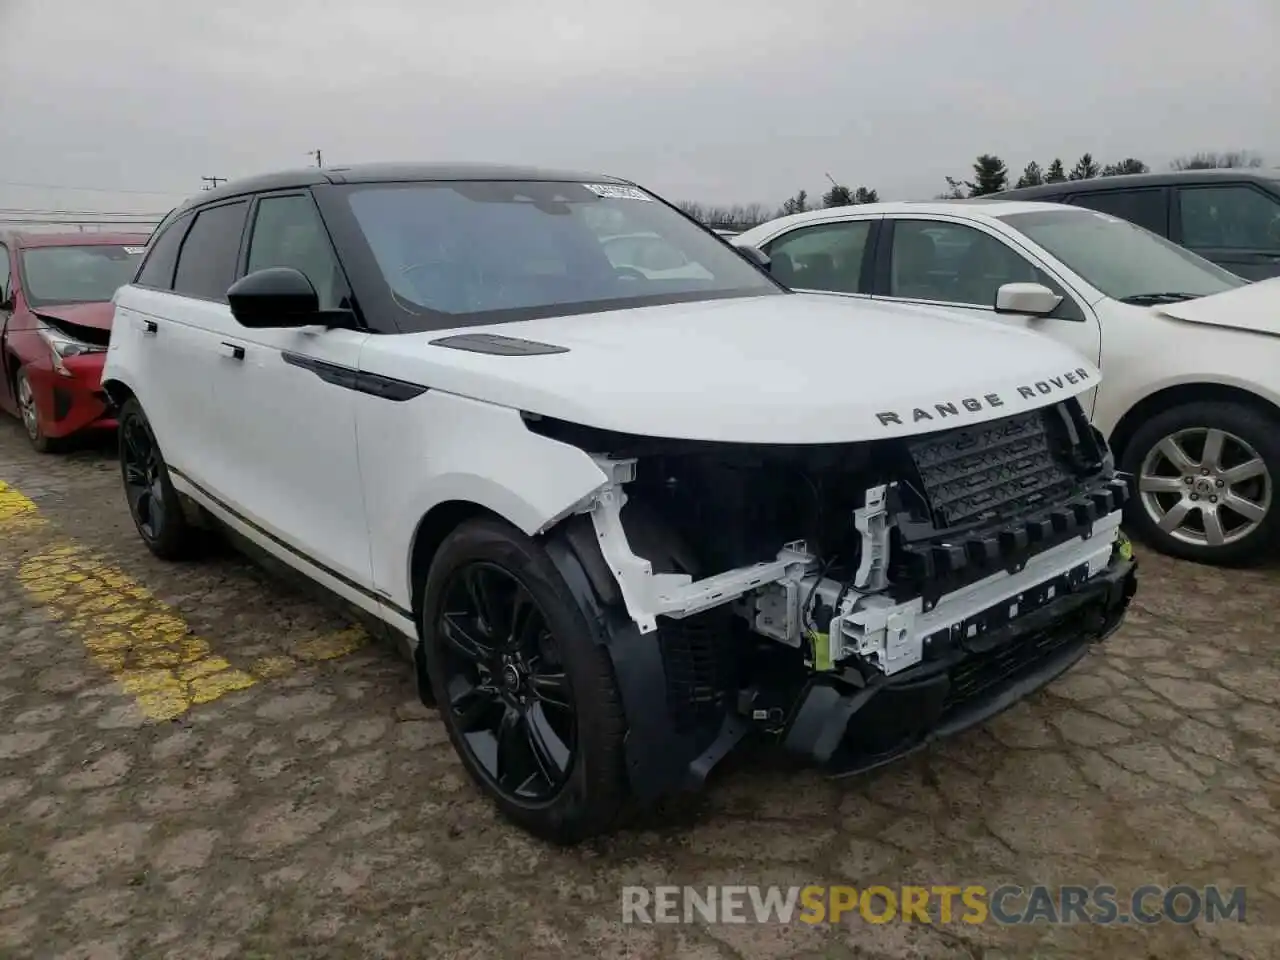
x,y
1231,217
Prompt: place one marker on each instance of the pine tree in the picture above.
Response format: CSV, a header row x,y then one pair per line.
x,y
838,196
1055,173
989,176
1086,168
1129,165
863,195
797,204
1031,176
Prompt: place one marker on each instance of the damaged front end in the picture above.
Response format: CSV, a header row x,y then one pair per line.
x,y
852,602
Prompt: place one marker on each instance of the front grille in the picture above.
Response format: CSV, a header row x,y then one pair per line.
x,y
983,675
696,657
990,470
990,496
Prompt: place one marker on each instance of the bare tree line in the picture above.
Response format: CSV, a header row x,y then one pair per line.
x,y
990,176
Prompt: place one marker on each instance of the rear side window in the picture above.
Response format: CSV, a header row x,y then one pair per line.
x,y
1146,208
157,268
207,262
1234,217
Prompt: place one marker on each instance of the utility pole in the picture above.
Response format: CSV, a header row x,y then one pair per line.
x,y
212,182
316,153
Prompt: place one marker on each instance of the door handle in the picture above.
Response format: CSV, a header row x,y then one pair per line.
x,y
149,327
232,350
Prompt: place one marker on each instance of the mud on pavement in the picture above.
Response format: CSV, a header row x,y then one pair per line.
x,y
201,761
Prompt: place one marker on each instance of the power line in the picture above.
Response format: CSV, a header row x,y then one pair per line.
x,y
63,186
44,221
59,212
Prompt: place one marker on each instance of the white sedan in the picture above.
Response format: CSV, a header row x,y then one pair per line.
x,y
1190,396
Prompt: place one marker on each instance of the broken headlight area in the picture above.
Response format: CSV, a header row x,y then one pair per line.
x,y
852,601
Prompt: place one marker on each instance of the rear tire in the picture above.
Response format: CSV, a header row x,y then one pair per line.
x,y
530,660
155,506
1204,477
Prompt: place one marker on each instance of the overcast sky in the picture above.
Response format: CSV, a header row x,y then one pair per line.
x,y
718,100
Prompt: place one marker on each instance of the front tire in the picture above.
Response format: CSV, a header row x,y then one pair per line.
x,y
30,415
1205,482
154,505
526,694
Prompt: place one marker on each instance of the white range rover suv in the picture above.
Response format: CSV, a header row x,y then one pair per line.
x,y
620,522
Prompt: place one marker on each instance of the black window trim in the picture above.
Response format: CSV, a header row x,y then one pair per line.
x,y
6,279
181,222
866,271
247,201
1164,191
251,224
1175,209
1073,302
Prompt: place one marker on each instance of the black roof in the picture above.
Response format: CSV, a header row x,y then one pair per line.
x,y
1172,177
385,173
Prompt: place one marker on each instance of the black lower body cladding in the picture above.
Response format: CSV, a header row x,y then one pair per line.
x,y
959,685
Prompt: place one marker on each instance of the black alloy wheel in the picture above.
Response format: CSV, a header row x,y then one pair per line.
x,y
153,502
507,694
141,464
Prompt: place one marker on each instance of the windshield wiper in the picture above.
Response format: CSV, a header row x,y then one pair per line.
x,y
1151,299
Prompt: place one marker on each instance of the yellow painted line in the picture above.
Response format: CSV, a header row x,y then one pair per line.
x,y
141,642
17,512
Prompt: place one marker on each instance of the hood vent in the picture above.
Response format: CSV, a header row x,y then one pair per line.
x,y
497,345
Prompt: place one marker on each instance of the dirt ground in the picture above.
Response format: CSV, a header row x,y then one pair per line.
x,y
200,761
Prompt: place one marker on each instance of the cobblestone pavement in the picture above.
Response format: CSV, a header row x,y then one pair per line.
x,y
199,761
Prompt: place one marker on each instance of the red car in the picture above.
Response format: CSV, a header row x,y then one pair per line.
x,y
55,321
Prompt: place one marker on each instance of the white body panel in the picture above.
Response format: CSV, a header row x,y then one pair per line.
x,y
336,482
761,370
1229,339
167,360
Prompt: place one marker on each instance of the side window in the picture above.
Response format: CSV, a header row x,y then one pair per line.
x,y
825,257
207,261
287,232
157,268
952,263
1236,217
4,273
1146,208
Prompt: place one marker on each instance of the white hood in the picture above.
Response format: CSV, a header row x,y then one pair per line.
x,y
1254,307
776,369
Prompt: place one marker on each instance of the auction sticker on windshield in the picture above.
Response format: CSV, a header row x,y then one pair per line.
x,y
614,191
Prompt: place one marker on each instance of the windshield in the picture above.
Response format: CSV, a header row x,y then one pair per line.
x,y
83,274
484,252
1123,260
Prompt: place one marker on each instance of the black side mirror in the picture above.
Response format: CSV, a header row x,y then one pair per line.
x,y
756,256
280,297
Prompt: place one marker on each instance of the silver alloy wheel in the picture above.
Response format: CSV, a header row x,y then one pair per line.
x,y
27,406
1205,487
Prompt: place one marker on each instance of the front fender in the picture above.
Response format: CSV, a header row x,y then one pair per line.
x,y
442,448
